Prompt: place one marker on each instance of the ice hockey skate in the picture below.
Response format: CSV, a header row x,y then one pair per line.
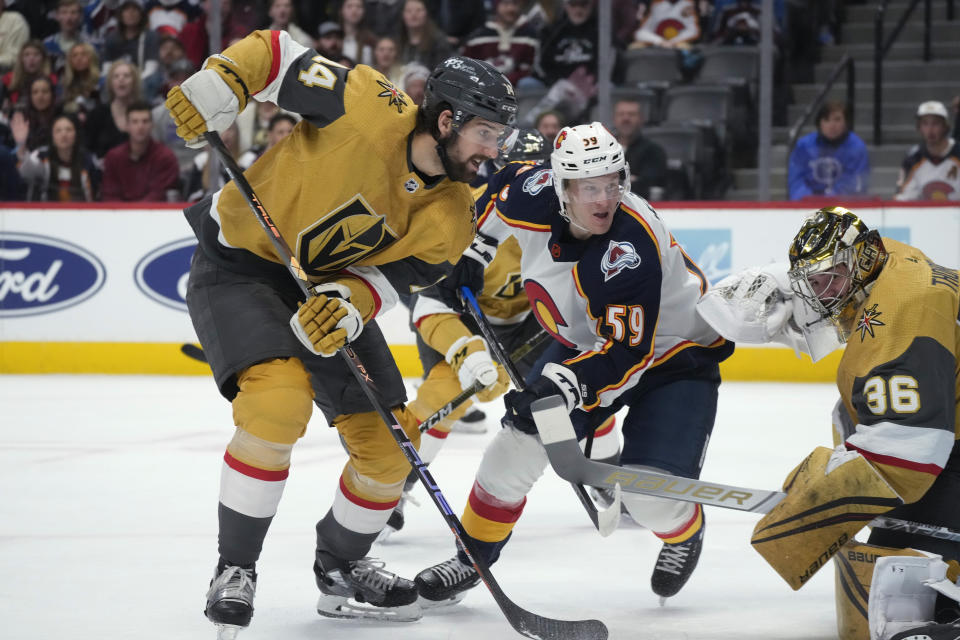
x,y
950,631
446,583
675,565
230,600
363,589
471,422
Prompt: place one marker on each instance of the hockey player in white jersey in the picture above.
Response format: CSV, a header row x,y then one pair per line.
x,y
616,292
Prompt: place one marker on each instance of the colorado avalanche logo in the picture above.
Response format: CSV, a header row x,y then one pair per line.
x,y
546,311
535,183
619,256
937,190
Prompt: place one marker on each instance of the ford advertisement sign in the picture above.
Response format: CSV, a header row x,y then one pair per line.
x,y
39,274
162,274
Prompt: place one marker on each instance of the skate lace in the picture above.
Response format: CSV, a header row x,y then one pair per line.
x,y
453,571
370,572
672,558
234,582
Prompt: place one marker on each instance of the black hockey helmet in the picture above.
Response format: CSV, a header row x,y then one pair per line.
x,y
471,88
530,146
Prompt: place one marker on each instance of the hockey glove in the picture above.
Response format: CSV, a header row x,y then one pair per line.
x,y
555,379
209,100
471,361
468,272
327,320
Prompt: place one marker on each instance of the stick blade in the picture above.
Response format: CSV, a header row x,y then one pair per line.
x,y
552,420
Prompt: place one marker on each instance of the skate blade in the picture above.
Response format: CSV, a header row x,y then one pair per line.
x,y
228,631
426,603
342,607
663,601
385,534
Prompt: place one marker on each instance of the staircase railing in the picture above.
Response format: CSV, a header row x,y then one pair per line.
x,y
882,46
847,64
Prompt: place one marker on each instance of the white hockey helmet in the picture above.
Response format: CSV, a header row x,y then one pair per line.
x,y
586,151
933,108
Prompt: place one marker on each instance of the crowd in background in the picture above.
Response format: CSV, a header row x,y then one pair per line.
x,y
83,81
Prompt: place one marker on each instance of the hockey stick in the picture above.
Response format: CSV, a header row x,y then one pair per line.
x,y
529,345
906,526
524,622
605,521
560,441
450,407
193,351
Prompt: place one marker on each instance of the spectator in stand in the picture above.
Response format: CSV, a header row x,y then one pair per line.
x,y
358,40
539,14
70,18
236,22
198,182
671,24
457,18
140,169
415,82
11,184
383,16
386,59
79,88
168,17
169,51
931,170
282,18
31,125
281,124
330,40
505,42
63,171
107,123
647,159
420,39
738,21
549,124
831,161
33,62
164,128
133,42
570,43
14,33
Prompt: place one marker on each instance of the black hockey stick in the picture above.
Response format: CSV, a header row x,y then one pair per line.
x,y
560,440
193,351
525,622
529,345
906,526
605,521
450,407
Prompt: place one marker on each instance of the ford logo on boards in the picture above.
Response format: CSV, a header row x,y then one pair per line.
x,y
162,274
39,274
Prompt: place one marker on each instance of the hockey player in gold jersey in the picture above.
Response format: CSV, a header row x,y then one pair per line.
x,y
371,193
895,426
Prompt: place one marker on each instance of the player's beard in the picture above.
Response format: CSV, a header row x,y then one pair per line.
x,y
456,170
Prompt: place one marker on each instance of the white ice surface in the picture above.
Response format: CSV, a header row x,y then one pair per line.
x,y
108,496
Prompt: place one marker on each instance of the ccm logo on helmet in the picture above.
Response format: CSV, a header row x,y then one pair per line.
x,y
595,160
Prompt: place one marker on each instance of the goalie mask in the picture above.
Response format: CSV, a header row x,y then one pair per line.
x,y
529,147
587,151
833,260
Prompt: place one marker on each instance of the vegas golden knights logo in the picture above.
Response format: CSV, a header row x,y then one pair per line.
x,y
342,237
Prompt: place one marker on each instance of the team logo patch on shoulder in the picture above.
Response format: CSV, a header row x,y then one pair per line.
x,y
619,256
535,183
411,185
868,320
395,97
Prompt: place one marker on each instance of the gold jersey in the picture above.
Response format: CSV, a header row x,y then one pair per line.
x,y
898,376
341,187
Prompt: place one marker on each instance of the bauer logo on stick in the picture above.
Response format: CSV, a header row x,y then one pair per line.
x,y
39,274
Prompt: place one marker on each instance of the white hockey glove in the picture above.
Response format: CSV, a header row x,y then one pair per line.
x,y
470,360
209,100
751,306
327,320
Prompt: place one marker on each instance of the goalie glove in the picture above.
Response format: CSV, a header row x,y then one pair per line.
x,y
470,360
327,320
555,379
209,100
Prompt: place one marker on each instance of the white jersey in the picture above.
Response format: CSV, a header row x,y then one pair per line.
x,y
926,178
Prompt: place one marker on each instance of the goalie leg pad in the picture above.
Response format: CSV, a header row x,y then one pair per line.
x,y
854,565
900,599
822,511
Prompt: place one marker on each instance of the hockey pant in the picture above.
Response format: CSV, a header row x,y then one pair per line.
x,y
271,412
